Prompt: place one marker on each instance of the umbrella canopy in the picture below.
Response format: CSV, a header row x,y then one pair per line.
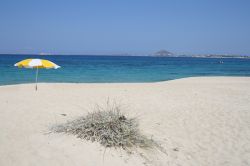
x,y
37,63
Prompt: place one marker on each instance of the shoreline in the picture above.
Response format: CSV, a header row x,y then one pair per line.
x,y
99,83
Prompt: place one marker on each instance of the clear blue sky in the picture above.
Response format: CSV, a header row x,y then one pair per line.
x,y
125,26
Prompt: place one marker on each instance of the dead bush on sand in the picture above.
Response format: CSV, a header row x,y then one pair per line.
x,y
109,126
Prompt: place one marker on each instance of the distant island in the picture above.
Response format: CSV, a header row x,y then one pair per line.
x,y
44,53
217,56
165,53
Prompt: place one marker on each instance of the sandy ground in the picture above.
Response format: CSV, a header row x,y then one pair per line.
x,y
199,121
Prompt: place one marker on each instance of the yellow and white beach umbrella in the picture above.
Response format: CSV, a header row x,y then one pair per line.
x,y
37,64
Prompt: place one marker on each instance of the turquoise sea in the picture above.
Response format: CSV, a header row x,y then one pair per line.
x,y
95,69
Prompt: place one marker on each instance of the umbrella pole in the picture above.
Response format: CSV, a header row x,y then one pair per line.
x,y
36,76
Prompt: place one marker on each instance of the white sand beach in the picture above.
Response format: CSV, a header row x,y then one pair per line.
x,y
203,121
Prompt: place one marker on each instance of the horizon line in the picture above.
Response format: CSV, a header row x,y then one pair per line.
x,y
51,54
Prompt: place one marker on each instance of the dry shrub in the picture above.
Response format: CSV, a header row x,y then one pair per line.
x,y
108,126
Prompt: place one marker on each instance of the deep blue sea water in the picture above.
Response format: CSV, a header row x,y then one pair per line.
x,y
97,69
